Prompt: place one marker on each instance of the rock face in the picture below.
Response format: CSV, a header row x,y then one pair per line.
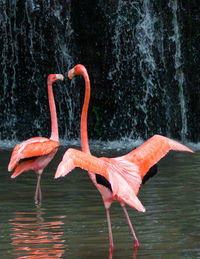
x,y
142,58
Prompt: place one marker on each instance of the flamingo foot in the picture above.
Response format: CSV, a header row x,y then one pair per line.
x,y
111,249
136,246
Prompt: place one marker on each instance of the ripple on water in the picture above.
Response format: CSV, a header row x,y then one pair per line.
x,y
72,218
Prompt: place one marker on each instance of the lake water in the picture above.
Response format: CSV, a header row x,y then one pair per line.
x,y
71,221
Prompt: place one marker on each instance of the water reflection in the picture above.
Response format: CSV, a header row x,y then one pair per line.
x,y
168,229
34,236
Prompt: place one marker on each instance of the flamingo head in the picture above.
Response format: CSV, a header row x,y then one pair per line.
x,y
77,70
54,77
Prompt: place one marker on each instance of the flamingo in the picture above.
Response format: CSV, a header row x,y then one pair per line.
x,y
105,184
125,173
37,152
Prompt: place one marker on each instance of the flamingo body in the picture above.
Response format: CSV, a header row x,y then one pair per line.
x,y
33,147
41,150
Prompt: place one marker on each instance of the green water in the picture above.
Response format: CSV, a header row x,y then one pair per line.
x,y
71,221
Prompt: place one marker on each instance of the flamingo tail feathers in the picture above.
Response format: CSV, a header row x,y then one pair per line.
x,y
24,167
123,189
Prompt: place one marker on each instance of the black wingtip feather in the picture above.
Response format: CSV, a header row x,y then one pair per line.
x,y
103,181
152,171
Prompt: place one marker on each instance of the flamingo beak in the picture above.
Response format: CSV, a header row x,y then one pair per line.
x,y
71,73
59,77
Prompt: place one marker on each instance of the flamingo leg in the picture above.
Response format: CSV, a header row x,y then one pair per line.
x,y
38,189
130,225
40,194
111,248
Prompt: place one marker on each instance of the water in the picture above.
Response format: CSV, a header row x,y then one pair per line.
x,y
71,222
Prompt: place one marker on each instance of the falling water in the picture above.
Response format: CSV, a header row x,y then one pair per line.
x,y
134,71
36,40
138,73
179,75
143,48
145,35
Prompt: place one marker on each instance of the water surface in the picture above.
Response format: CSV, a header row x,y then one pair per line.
x,y
71,221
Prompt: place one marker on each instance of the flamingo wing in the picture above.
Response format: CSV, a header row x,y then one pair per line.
x,y
125,182
149,153
113,171
76,158
32,147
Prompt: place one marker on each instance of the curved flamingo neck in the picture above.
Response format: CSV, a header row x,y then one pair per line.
x,y
84,134
52,107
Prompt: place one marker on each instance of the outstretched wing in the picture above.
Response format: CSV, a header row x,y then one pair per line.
x,y
76,158
149,153
32,147
110,169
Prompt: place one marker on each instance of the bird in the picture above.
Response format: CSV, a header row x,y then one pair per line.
x,y
37,152
101,183
124,173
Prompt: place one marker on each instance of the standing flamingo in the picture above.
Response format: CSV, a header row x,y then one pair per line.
x,y
100,181
36,153
125,173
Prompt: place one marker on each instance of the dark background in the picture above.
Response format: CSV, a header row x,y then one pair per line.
x,y
142,59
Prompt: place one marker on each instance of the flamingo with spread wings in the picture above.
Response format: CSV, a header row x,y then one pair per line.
x,y
103,184
36,153
124,173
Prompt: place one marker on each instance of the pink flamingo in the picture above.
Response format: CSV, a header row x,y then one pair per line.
x,y
124,174
36,153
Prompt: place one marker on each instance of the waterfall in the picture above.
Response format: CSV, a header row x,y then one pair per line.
x,y
136,53
144,84
37,40
179,75
145,35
